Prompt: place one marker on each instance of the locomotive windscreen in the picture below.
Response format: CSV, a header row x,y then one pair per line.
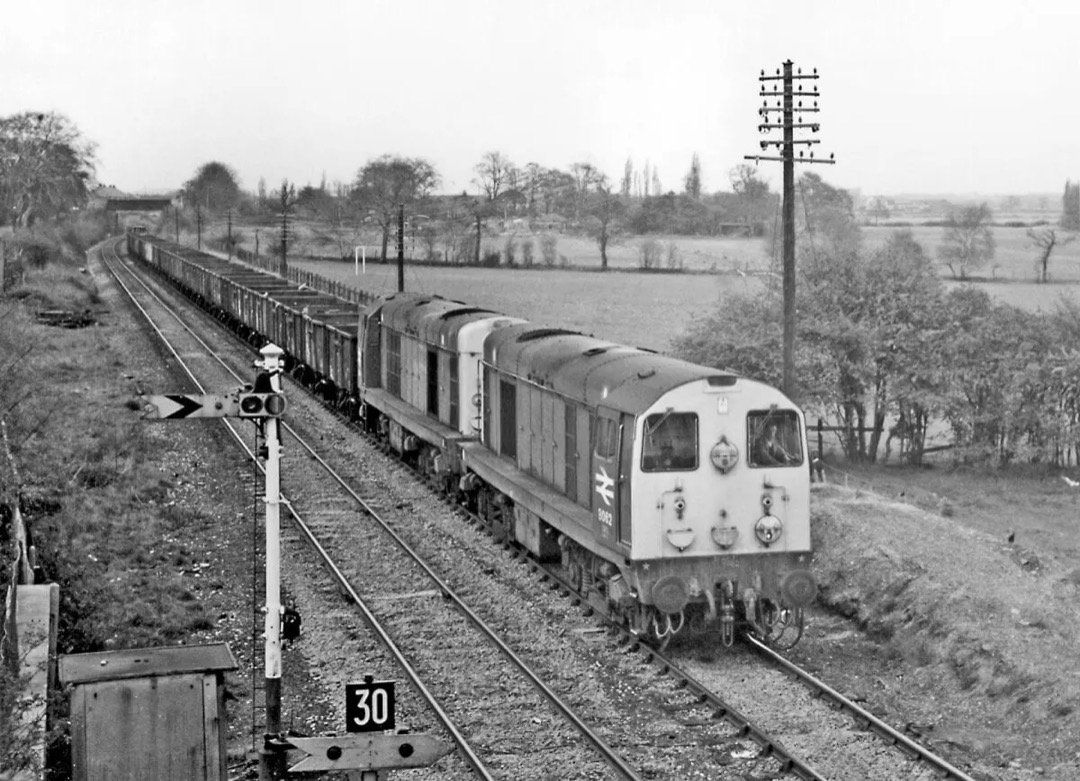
x,y
671,442
774,438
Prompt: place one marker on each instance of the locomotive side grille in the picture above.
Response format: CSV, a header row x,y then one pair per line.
x,y
508,419
393,363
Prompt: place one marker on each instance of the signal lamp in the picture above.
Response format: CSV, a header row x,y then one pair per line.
x,y
261,405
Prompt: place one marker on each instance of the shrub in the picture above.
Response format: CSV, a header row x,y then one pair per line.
x,y
84,231
548,244
674,257
510,249
37,251
649,252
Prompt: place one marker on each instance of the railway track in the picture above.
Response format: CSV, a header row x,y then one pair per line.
x,y
405,598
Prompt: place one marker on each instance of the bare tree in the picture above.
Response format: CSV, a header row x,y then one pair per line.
x,y
286,199
1070,203
692,180
531,180
491,173
605,209
587,178
752,197
45,165
388,182
627,178
1047,239
968,240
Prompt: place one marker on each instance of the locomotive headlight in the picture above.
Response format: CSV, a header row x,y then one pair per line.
x,y
680,506
724,455
768,529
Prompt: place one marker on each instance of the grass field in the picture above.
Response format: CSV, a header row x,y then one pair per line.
x,y
649,310
645,310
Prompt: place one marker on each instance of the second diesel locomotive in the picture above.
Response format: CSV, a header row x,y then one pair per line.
x,y
676,494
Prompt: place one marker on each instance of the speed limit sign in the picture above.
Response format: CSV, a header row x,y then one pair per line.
x,y
369,706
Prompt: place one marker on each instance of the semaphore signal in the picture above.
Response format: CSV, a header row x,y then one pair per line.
x,y
789,97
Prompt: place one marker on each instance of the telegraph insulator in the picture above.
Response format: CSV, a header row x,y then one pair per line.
x,y
814,128
815,88
800,71
762,71
811,155
764,145
777,71
832,155
815,71
801,153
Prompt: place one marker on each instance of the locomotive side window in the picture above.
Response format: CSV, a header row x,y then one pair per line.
x,y
774,438
607,437
671,442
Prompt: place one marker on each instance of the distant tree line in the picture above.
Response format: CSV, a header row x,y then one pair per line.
x,y
530,198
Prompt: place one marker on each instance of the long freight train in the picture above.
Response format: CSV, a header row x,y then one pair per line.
x,y
677,494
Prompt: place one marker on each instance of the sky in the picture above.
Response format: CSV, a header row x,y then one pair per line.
x,y
942,97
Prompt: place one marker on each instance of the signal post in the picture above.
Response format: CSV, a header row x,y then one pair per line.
x,y
369,705
263,402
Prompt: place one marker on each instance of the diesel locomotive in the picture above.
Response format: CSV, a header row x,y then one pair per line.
x,y
676,495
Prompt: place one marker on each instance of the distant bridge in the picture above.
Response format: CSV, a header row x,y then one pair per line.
x,y
145,204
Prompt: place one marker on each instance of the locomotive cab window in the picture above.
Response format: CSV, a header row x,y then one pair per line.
x,y
607,438
670,443
774,438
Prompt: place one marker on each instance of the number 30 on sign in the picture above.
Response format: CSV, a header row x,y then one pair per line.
x,y
369,706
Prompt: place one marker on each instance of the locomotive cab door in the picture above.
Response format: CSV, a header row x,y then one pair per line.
x,y
613,440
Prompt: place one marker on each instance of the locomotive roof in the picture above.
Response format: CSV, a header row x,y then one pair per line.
x,y
433,319
590,370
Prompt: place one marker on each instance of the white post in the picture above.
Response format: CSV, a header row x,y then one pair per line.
x,y
274,761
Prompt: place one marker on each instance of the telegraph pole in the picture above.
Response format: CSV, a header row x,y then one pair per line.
x,y
784,96
401,248
284,238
